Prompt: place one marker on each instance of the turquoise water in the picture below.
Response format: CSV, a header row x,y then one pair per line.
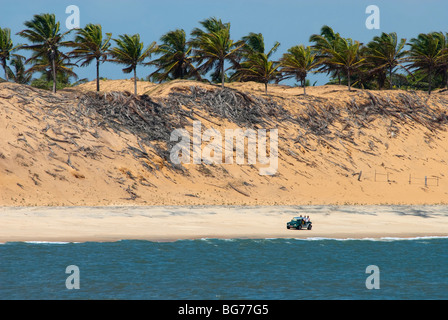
x,y
275,269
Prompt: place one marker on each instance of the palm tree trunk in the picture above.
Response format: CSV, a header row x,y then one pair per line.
x,y
97,74
304,86
222,74
4,68
349,81
390,79
446,78
181,75
53,64
429,81
266,88
135,80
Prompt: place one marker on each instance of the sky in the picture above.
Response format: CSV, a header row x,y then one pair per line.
x,y
290,22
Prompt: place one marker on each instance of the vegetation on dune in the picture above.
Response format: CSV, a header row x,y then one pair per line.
x,y
323,43
383,54
256,64
89,46
130,51
387,61
7,49
175,58
18,72
298,62
46,38
213,47
428,54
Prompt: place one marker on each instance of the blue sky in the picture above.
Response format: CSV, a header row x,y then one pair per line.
x,y
290,22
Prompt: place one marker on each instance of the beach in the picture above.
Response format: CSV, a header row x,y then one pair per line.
x,y
172,223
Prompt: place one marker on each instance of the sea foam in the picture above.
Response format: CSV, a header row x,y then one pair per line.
x,y
48,242
384,239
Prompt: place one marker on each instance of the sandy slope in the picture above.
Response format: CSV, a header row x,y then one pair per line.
x,y
46,159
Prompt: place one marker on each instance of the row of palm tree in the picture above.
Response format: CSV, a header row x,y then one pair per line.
x,y
211,47
377,61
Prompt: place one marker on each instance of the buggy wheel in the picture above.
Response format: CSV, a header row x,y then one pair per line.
x,y
287,227
309,227
299,227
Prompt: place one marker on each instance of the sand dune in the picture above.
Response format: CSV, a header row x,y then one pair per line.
x,y
46,159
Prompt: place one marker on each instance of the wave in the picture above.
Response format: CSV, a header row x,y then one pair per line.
x,y
213,240
383,239
380,239
414,238
48,242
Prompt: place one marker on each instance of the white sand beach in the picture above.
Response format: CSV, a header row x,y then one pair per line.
x,y
81,224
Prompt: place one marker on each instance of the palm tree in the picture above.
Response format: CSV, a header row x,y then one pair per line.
x,y
324,43
130,51
443,62
345,56
254,43
6,49
45,35
175,61
258,68
90,45
426,55
297,62
253,63
61,67
19,74
213,46
386,52
210,25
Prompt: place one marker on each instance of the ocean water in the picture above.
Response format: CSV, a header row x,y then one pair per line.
x,y
234,269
